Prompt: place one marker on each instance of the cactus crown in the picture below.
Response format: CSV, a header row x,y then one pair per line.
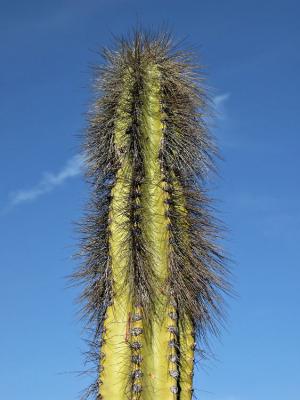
x,y
148,151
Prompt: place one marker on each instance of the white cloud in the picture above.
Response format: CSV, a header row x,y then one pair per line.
x,y
48,182
219,102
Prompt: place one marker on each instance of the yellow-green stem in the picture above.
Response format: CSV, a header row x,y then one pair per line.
x,y
159,344
187,343
160,381
186,328
115,349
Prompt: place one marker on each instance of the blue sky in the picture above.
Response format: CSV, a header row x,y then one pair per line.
x,y
251,51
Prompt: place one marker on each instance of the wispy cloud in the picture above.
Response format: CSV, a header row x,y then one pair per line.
x,y
219,104
48,182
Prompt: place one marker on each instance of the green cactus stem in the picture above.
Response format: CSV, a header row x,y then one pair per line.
x,y
152,271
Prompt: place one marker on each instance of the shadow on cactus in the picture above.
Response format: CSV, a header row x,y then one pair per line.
x,y
153,274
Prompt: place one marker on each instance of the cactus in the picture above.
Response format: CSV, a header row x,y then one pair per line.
x,y
153,272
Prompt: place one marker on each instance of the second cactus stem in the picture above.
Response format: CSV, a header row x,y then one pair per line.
x,y
158,280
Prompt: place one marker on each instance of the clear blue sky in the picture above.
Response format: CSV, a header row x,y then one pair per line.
x,y
251,50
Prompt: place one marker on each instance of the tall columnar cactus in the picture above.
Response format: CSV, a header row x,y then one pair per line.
x,y
153,272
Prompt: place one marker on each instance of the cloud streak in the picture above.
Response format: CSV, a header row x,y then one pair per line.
x,y
49,182
73,168
219,102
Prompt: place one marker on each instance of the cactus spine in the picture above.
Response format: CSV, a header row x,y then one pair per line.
x,y
152,271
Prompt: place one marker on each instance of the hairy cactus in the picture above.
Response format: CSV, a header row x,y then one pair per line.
x,y
152,271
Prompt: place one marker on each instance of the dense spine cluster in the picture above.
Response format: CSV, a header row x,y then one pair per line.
x,y
152,270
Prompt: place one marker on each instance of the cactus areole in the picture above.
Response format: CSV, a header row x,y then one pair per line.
x,y
153,274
